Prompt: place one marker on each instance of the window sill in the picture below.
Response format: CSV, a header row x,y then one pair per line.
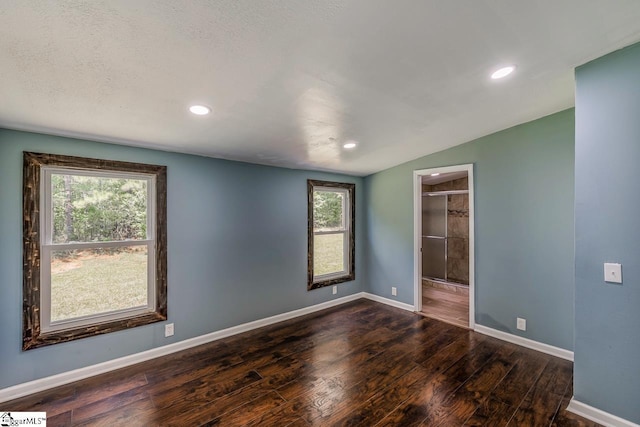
x,y
55,337
332,281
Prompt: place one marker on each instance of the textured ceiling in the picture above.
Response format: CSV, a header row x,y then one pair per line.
x,y
290,81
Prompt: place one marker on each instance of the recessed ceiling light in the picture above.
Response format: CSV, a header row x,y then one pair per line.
x,y
200,110
503,72
350,144
435,174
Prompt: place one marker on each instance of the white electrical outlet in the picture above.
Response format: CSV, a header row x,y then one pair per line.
x,y
335,290
521,324
394,291
168,330
612,272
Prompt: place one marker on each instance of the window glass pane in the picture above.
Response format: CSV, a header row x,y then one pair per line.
x,y
328,253
90,209
327,210
87,282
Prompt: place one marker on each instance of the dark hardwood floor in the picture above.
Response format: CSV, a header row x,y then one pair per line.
x,y
359,364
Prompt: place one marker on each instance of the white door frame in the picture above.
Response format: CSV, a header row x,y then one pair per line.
x,y
417,233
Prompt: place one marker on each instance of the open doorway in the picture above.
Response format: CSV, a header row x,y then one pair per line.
x,y
444,242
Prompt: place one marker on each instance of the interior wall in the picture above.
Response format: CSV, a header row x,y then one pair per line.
x,y
237,251
607,344
524,227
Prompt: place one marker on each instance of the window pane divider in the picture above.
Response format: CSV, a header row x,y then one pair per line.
x,y
321,233
97,245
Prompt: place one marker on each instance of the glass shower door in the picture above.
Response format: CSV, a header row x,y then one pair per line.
x,y
434,236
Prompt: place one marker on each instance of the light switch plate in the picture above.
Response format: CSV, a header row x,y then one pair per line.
x,y
612,272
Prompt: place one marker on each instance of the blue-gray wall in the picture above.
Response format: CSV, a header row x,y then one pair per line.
x,y
237,237
607,344
524,227
224,217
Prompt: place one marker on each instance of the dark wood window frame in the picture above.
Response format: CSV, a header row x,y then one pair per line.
x,y
350,274
32,336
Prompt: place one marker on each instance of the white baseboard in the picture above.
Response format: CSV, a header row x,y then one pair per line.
x,y
525,342
597,415
388,301
24,389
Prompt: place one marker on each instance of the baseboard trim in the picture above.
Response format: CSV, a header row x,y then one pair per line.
x,y
597,415
35,386
525,342
387,301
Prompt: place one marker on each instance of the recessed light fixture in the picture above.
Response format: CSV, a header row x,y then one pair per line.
x,y
200,110
435,174
503,72
350,144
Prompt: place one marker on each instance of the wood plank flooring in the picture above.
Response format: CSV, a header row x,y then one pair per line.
x,y
359,364
445,304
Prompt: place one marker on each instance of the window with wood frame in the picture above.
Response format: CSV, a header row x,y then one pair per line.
x,y
95,257
331,233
